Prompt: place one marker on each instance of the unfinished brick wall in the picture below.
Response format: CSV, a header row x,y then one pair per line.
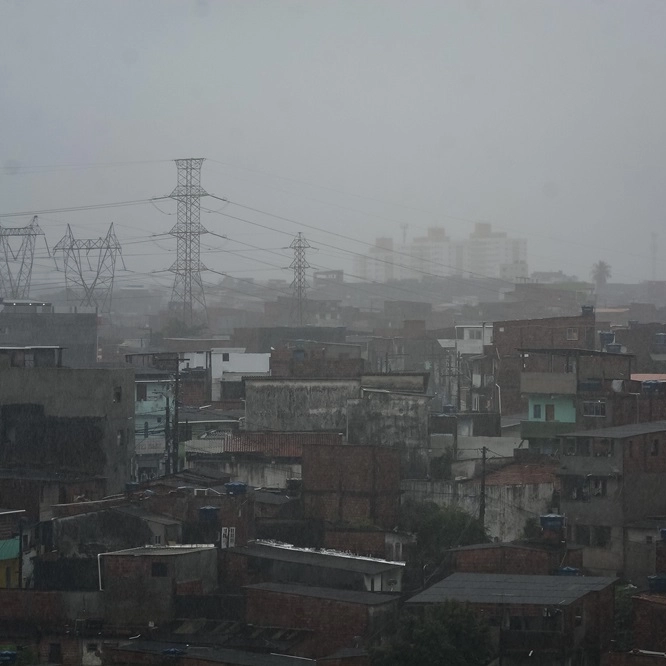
x,y
503,560
334,623
351,484
649,622
367,543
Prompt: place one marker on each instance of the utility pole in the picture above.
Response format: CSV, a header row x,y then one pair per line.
x,y
188,303
482,498
176,434
90,266
167,438
15,283
299,285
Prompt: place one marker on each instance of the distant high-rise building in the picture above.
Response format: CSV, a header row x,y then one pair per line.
x,y
486,253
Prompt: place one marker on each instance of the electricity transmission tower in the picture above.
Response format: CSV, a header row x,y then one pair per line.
x,y
187,297
16,264
90,267
299,285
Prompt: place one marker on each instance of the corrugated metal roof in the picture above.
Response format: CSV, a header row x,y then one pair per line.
x,y
207,653
620,432
9,549
326,559
512,589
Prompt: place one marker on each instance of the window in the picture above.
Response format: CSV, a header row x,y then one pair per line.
x,y
141,392
598,487
570,364
158,569
120,438
225,356
157,539
654,449
91,647
232,537
536,411
601,537
117,393
572,334
595,408
146,430
55,653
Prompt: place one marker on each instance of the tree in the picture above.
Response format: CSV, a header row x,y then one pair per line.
x,y
437,529
601,271
448,633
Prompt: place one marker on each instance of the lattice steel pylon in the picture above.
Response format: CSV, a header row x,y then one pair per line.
x,y
188,302
90,267
16,264
299,286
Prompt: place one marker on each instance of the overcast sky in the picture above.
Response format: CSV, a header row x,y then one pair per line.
x,y
545,118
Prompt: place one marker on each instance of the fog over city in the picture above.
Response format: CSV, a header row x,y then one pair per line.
x,y
544,119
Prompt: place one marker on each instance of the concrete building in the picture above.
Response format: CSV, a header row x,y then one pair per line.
x,y
576,389
611,478
79,421
513,494
28,323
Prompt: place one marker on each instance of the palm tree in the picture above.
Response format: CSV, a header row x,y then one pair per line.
x,y
601,271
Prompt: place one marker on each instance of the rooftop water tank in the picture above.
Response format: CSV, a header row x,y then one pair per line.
x,y
551,521
236,488
208,514
657,583
606,337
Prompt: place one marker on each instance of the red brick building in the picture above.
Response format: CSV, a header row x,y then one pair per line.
x,y
336,617
548,333
550,619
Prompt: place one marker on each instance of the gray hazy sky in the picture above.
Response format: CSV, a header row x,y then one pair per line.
x,y
545,118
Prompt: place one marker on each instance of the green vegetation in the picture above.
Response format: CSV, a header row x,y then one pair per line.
x,y
448,633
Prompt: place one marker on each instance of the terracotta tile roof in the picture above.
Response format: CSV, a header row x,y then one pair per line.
x,y
270,444
518,474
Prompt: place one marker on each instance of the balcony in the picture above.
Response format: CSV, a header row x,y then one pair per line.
x,y
557,383
545,429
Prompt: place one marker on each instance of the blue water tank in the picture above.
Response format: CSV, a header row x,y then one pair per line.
x,y
8,656
662,533
236,488
657,583
606,337
551,521
568,571
614,348
208,514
